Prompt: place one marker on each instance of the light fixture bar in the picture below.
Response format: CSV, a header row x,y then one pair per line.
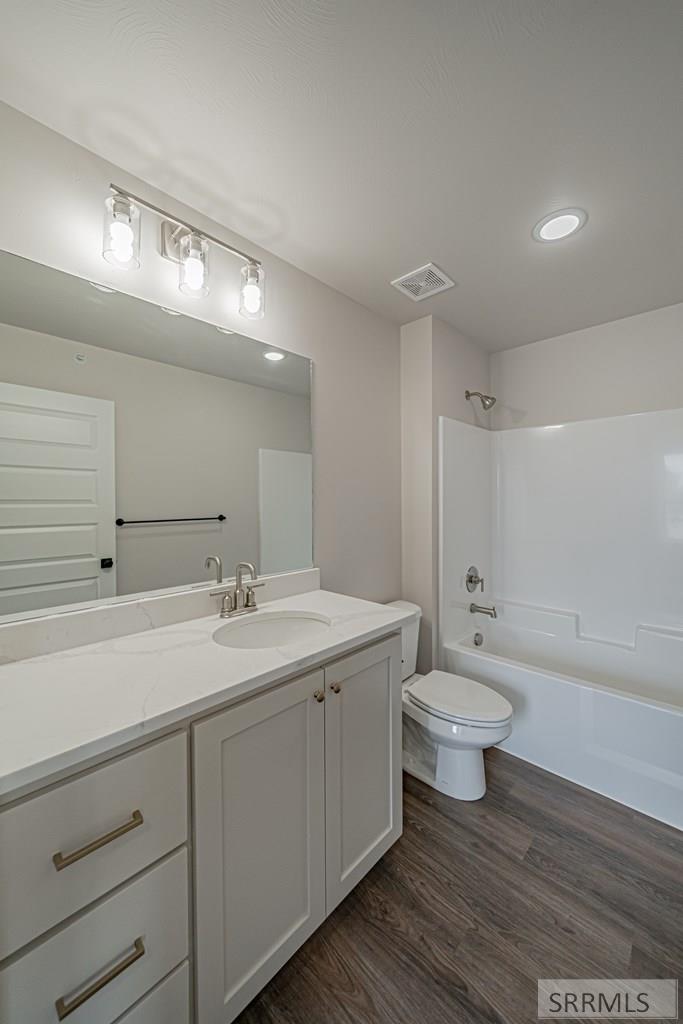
x,y
146,205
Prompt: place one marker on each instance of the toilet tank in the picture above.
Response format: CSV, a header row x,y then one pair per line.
x,y
410,632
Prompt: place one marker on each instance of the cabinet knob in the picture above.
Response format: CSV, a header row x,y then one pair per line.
x,y
335,687
319,696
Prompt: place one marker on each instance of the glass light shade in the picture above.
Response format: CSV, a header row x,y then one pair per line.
x,y
194,265
121,236
252,291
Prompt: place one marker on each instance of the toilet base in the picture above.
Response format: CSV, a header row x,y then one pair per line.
x,y
430,754
460,773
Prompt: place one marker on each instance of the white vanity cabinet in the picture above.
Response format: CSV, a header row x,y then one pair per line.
x,y
297,793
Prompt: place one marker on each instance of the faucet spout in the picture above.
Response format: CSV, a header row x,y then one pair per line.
x,y
218,562
483,610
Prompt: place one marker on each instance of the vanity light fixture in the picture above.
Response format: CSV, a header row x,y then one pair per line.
x,y
274,357
182,243
559,225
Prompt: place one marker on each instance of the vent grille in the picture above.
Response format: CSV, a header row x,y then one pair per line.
x,y
424,282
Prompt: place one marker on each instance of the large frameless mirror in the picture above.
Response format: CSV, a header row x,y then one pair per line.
x,y
135,442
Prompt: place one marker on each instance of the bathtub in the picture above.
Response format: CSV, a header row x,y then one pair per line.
x,y
608,717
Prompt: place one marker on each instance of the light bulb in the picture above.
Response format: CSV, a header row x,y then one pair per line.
x,y
121,239
194,265
252,291
121,235
194,273
251,295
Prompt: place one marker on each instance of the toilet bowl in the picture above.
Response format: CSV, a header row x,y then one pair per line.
x,y
448,722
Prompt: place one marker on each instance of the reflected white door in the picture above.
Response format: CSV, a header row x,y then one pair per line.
x,y
285,510
56,498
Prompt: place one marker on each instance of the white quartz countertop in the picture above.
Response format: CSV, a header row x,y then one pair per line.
x,y
60,710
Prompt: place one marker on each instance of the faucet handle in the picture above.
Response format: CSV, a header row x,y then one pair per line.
x,y
250,600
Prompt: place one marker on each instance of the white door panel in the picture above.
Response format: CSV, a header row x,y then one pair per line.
x,y
56,498
259,841
362,763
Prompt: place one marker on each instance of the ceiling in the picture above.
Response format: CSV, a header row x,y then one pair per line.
x,y
360,139
40,298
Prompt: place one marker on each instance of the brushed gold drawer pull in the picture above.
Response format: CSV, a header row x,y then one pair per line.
x,y
319,696
335,687
64,1008
62,861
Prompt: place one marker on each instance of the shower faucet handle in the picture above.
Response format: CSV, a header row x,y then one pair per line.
x,y
473,579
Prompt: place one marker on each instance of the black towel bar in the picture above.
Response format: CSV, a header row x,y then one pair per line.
x,y
192,519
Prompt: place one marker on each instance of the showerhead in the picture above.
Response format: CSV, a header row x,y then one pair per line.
x,y
487,401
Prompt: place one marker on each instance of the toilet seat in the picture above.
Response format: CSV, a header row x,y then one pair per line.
x,y
460,700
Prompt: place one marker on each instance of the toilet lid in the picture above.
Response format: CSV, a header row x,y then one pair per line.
x,y
460,698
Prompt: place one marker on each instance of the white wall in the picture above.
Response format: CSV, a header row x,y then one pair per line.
x,y
629,365
437,365
54,216
181,450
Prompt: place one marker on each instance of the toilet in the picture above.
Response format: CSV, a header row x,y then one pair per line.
x,y
448,722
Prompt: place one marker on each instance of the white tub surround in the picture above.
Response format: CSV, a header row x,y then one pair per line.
x,y
60,710
578,531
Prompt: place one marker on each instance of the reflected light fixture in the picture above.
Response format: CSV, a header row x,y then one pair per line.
x,y
252,291
274,357
121,237
556,226
181,243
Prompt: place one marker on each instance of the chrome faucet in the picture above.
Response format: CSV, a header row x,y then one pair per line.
x,y
241,598
218,561
483,610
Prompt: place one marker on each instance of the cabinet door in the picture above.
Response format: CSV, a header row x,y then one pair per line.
x,y
259,841
362,763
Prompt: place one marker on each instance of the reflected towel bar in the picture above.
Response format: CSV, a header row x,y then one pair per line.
x,y
194,519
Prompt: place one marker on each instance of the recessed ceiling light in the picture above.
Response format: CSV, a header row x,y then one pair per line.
x,y
560,224
102,288
274,357
225,330
171,312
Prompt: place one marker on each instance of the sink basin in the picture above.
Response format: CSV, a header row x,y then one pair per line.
x,y
260,630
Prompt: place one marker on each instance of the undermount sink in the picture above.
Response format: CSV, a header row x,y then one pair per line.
x,y
260,630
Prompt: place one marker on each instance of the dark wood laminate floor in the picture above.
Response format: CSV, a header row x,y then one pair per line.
x,y
477,901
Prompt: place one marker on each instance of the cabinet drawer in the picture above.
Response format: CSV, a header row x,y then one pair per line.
x,y
145,925
169,1003
137,804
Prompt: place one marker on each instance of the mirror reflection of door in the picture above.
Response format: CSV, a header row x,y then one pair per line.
x,y
56,498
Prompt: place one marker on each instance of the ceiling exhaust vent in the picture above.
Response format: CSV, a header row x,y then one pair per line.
x,y
423,283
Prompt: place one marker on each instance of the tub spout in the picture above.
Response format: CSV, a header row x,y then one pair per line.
x,y
483,610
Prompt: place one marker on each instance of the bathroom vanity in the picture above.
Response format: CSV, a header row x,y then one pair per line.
x,y
179,815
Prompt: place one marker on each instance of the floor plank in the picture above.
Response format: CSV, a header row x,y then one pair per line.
x,y
477,901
